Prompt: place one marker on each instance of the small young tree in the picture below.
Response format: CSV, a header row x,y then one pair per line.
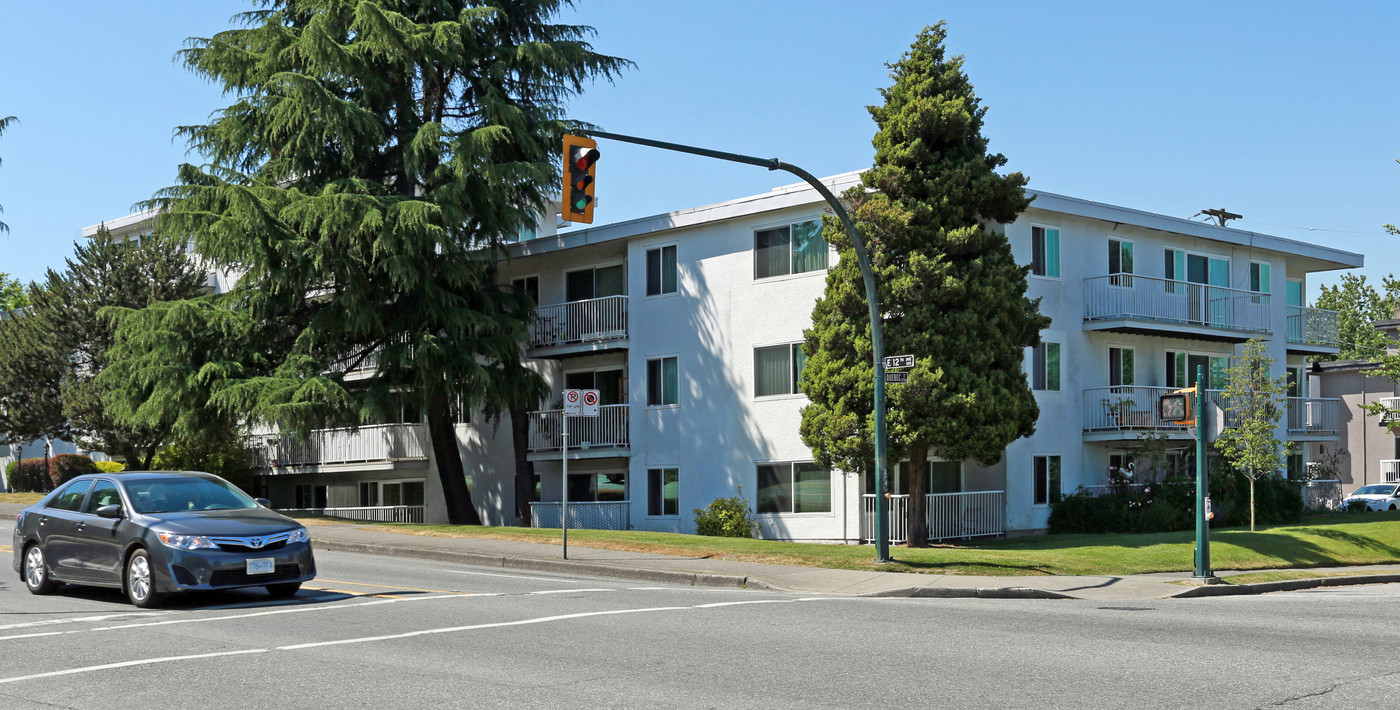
x,y
1256,403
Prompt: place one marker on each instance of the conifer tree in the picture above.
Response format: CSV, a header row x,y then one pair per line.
x,y
950,291
375,158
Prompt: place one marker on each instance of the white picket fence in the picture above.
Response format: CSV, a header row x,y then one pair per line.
x,y
374,514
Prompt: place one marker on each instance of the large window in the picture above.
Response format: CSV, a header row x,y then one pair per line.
x,y
1045,367
1120,262
528,285
1046,470
1258,277
663,381
777,369
663,491
794,488
1120,367
309,496
939,477
609,383
596,282
790,249
597,487
1181,369
1045,252
661,270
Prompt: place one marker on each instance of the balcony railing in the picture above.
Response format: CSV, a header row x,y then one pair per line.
x,y
608,429
584,515
379,442
1390,471
1311,415
1312,326
593,320
949,515
1127,408
1392,411
374,514
1145,298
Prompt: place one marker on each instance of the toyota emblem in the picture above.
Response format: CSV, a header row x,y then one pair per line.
x,y
257,542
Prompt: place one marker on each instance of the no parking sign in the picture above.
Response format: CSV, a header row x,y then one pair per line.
x,y
581,403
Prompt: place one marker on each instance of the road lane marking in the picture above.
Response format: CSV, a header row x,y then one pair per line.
x,y
570,591
80,619
387,586
516,576
128,664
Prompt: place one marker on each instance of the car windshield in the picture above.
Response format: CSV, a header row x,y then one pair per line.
x,y
167,495
1375,490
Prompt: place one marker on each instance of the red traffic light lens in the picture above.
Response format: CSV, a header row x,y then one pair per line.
x,y
586,160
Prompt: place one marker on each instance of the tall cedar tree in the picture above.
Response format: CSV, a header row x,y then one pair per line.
x,y
951,294
52,354
5,123
363,183
1255,402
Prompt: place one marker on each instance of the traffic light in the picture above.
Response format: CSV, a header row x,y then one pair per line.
x,y
1178,407
580,157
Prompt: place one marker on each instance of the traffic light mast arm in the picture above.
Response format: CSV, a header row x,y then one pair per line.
x,y
877,338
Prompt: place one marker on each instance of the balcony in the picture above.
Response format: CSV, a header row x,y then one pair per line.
x,y
1312,331
1127,303
378,447
1390,471
605,435
1314,419
1391,418
1116,413
578,327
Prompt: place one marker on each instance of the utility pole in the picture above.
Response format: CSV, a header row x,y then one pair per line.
x,y
1221,215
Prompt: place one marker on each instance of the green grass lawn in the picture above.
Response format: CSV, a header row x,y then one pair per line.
x,y
1320,541
21,498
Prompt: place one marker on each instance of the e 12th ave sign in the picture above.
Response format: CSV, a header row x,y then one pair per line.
x,y
895,362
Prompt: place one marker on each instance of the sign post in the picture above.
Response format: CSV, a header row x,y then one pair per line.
x,y
577,403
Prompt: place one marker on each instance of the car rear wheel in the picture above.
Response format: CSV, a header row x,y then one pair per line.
x,y
140,582
36,573
282,591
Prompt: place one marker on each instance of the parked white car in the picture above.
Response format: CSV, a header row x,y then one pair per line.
x,y
1380,496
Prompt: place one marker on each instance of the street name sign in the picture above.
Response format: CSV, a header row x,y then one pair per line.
x,y
898,361
897,378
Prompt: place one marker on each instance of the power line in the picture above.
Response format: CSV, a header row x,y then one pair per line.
x,y
1314,229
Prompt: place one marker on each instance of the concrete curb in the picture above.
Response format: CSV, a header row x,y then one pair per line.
x,y
1225,590
535,564
971,593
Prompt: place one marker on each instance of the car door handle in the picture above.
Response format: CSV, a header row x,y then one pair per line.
x,y
81,526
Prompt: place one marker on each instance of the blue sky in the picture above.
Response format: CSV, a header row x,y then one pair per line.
x,y
1285,112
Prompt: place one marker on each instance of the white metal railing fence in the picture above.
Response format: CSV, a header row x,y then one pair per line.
x,y
376,514
583,515
378,442
1392,414
898,527
1322,494
1125,407
1312,415
1390,470
1312,326
579,321
608,429
1150,298
971,514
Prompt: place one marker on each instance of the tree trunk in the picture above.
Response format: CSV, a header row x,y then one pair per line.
x,y
442,435
917,478
524,468
1251,504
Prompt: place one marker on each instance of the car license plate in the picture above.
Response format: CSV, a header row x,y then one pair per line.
x,y
260,565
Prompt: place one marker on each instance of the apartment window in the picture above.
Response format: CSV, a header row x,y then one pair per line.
x,y
598,487
402,493
1294,295
1046,470
790,249
663,491
663,381
777,369
1258,277
794,488
1296,383
611,385
369,494
939,477
1120,367
661,270
309,496
1181,369
1120,261
1045,252
1045,367
1297,470
528,285
596,282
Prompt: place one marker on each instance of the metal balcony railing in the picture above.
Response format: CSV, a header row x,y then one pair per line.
x,y
1127,408
593,320
1314,415
1390,470
1312,326
950,516
608,429
583,515
1392,413
1146,298
374,514
379,442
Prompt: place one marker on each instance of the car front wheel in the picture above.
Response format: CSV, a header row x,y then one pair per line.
x,y
36,573
141,581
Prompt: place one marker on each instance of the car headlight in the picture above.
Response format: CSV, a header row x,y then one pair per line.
x,y
299,535
187,542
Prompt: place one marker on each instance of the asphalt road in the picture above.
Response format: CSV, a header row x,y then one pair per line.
x,y
374,632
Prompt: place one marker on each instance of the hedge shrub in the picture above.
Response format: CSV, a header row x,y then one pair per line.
x,y
65,467
29,476
110,466
1164,507
726,517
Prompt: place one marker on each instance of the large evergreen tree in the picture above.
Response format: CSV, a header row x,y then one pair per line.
x,y
950,292
376,156
52,354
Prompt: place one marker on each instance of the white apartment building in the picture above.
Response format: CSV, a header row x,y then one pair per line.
x,y
688,325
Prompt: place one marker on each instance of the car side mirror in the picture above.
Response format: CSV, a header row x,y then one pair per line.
x,y
263,502
113,511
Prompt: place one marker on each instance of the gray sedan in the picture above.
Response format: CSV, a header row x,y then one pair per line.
x,y
155,533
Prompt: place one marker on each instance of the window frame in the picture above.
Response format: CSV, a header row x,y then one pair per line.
x,y
660,493
1116,278
660,251
522,283
1040,366
593,286
1054,496
1039,256
788,224
1123,350
1260,273
791,488
650,403
793,368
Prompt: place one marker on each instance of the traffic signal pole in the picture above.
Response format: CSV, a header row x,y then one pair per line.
x,y
1202,572
877,338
